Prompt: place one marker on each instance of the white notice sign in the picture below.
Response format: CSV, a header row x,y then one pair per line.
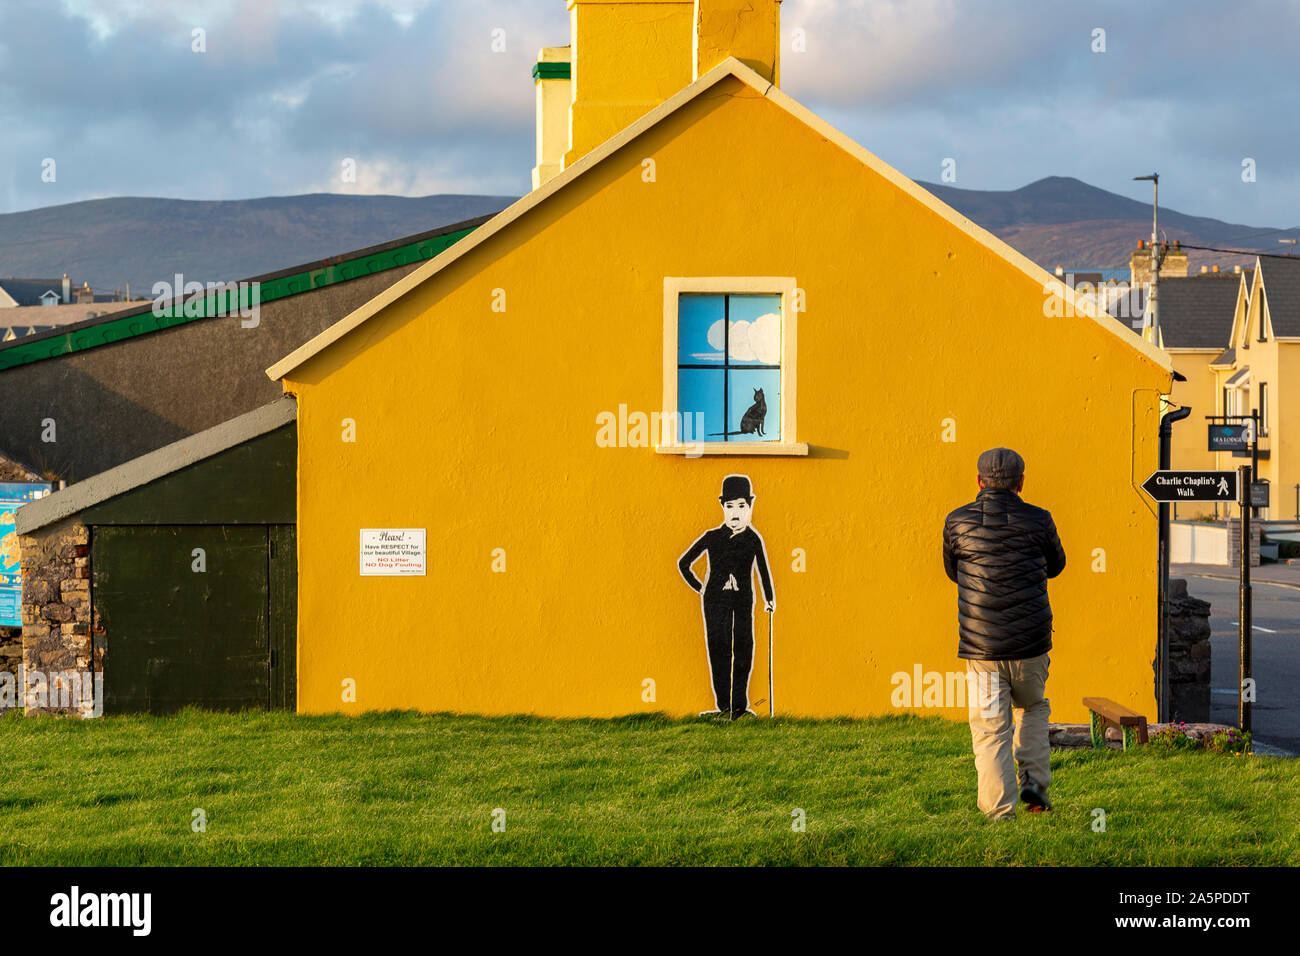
x,y
392,551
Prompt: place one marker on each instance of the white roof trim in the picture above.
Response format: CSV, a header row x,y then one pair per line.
x,y
729,67
1241,379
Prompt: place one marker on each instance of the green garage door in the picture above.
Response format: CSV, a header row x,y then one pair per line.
x,y
178,632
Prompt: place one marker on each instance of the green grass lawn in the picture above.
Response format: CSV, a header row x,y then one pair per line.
x,y
410,789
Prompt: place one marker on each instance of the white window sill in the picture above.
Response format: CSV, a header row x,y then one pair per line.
x,y
705,449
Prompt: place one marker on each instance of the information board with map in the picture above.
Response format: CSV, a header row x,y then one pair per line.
x,y
13,495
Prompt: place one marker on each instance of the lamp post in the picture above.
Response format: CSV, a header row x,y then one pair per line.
x,y
1152,332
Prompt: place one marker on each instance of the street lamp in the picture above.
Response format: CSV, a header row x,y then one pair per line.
x,y
1152,332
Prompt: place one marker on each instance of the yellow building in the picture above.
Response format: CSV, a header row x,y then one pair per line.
x,y
1196,317
523,432
1259,370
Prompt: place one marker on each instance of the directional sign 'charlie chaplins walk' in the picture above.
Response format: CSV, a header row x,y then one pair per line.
x,y
1192,486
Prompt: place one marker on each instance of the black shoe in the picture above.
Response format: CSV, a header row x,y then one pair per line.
x,y
1035,800
737,714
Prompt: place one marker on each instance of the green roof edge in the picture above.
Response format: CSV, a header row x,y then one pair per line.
x,y
221,304
551,71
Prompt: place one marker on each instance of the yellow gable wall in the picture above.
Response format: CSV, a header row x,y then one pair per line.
x,y
481,428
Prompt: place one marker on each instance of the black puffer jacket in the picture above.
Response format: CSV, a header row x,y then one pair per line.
x,y
1001,552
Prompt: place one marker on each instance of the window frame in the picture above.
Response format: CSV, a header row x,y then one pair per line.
x,y
784,286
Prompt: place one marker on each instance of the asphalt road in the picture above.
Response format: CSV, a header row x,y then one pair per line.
x,y
1275,653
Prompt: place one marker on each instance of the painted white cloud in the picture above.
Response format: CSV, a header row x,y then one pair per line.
x,y
759,340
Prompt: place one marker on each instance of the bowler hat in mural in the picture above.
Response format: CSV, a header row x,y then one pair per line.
x,y
735,486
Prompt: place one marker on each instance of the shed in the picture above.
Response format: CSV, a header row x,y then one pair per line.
x,y
171,578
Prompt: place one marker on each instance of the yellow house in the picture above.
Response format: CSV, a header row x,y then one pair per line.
x,y
1196,317
1260,371
503,456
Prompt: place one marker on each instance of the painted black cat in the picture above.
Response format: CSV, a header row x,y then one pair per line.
x,y
751,422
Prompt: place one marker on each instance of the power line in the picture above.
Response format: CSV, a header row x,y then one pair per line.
x,y
1242,252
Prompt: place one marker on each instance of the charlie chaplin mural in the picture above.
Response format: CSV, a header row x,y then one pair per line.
x,y
734,551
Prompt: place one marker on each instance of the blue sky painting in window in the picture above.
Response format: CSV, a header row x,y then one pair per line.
x,y
729,367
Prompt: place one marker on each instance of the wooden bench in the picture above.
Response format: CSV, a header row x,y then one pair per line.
x,y
1106,713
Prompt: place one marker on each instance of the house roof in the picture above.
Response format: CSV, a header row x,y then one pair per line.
x,y
1280,276
1227,357
1196,312
29,291
156,464
1240,377
731,67
140,318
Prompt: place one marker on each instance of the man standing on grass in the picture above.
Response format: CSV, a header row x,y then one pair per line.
x,y
1000,551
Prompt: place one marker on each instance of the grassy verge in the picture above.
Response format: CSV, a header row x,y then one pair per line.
x,y
410,789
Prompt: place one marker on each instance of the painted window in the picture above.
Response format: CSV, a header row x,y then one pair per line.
x,y
729,366
729,363
1263,408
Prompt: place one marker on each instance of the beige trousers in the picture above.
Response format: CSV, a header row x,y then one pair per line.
x,y
996,688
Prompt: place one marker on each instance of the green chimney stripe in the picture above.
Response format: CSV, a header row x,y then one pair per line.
x,y
226,303
551,71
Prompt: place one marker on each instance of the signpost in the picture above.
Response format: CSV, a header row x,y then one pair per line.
x,y
1245,610
1225,486
1166,486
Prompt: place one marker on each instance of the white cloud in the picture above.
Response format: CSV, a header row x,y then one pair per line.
x,y
759,340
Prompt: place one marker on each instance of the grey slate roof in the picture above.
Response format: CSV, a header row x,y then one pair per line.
x,y
1226,357
29,291
156,464
1281,278
1196,311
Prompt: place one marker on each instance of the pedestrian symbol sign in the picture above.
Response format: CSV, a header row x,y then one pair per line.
x,y
1192,486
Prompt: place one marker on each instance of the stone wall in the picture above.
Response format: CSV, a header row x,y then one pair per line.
x,y
11,659
1189,655
57,643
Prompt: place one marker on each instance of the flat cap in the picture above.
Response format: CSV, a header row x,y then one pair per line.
x,y
1001,464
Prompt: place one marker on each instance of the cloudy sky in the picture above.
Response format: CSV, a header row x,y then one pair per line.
x,y
1012,90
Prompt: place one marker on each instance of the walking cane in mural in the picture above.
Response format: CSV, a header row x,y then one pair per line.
x,y
734,550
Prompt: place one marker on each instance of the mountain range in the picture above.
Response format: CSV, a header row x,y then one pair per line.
x,y
113,242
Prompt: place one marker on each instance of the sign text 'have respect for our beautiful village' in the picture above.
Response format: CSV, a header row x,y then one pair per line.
x,y
392,551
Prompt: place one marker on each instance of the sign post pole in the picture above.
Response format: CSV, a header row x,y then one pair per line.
x,y
1254,456
1244,605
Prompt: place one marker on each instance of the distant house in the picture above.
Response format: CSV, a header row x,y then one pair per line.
x,y
1235,339
58,302
17,293
1258,371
